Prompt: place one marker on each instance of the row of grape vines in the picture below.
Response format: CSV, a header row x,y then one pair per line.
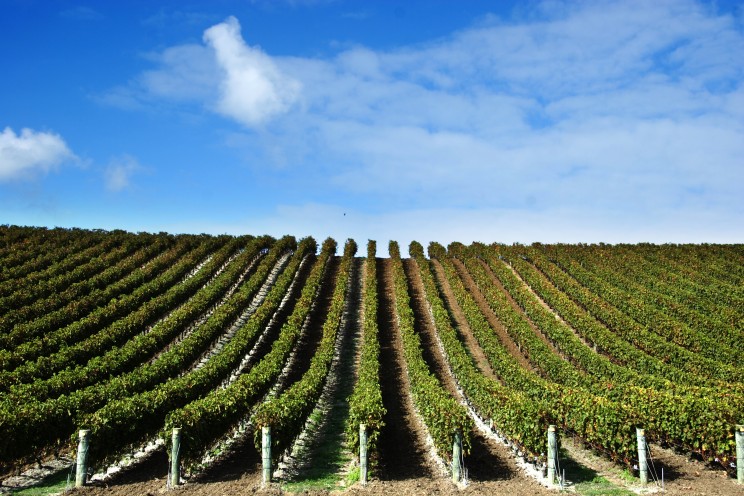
x,y
131,335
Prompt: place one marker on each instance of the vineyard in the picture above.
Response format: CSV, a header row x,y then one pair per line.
x,y
277,359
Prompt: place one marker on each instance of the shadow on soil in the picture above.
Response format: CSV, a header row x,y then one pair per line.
x,y
483,465
400,459
243,458
154,467
586,481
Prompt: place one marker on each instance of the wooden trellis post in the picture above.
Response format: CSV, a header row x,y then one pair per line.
x,y
552,454
175,472
363,453
457,457
740,454
266,453
642,463
81,474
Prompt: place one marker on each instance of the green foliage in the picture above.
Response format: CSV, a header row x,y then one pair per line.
x,y
110,324
286,413
43,422
709,357
441,413
365,403
697,419
56,315
93,271
32,254
128,421
36,415
207,419
601,422
518,418
703,325
653,341
68,264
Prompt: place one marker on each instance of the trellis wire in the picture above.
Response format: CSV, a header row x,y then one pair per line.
x,y
650,464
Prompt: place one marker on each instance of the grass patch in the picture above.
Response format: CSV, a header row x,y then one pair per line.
x,y
600,486
328,457
52,484
353,476
629,477
327,451
587,481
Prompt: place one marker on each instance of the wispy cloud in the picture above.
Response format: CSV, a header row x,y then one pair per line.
x,y
166,17
187,73
119,172
357,15
292,3
25,155
82,13
622,108
643,98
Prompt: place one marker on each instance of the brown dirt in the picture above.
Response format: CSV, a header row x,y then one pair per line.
x,y
685,475
493,321
238,473
682,475
489,461
424,327
250,484
310,338
144,478
516,307
545,305
403,450
461,323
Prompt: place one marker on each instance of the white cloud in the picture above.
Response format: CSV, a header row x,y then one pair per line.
x,y
252,89
224,75
188,73
580,47
119,172
610,105
32,152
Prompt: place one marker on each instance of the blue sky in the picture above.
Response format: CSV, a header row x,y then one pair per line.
x,y
429,120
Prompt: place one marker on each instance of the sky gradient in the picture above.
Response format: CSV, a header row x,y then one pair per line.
x,y
492,121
